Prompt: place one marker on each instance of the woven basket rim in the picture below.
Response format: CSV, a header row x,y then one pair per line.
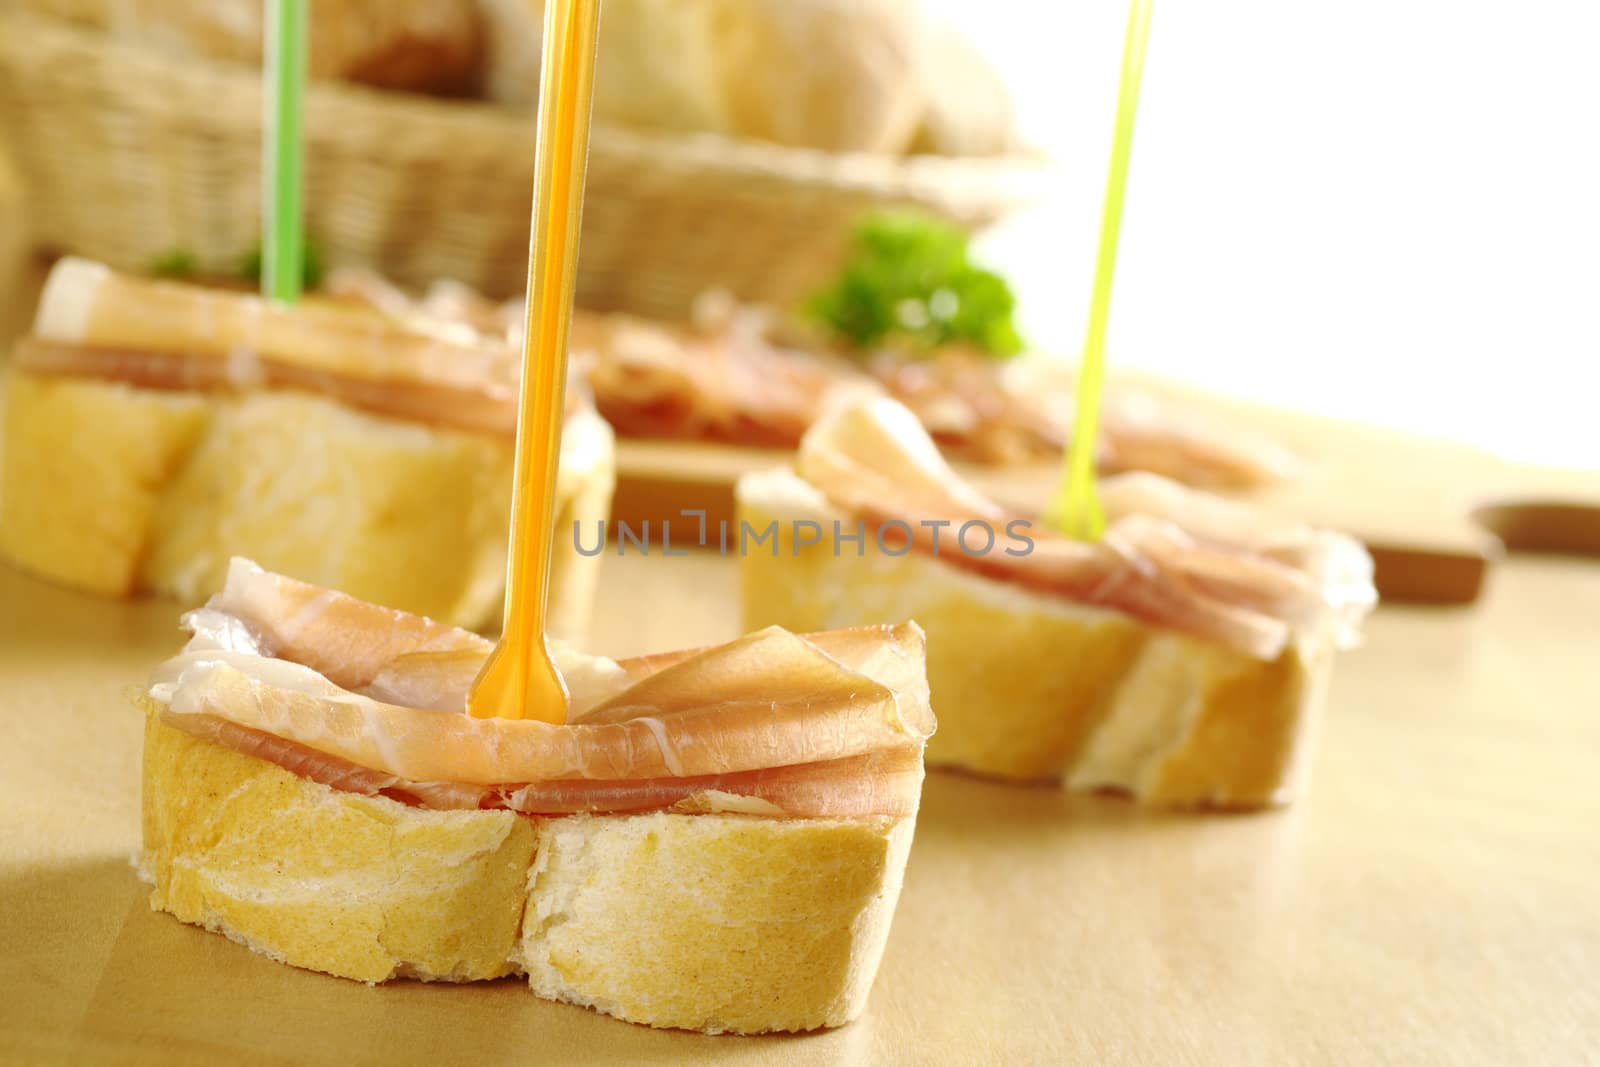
x,y
1015,178
127,155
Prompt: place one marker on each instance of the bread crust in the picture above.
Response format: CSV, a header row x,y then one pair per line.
x,y
719,923
836,75
1030,687
117,489
418,45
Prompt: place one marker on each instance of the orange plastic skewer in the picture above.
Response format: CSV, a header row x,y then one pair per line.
x,y
520,679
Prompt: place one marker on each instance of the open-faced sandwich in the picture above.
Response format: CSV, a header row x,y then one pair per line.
x,y
1181,658
738,375
155,429
714,839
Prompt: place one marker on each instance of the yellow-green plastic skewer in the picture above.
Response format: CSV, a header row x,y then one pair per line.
x,y
1076,510
284,78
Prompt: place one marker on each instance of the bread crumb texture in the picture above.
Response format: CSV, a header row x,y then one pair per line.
x,y
719,923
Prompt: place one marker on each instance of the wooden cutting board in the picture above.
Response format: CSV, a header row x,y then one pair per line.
x,y
1435,515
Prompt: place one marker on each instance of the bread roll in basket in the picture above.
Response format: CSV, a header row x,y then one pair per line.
x,y
128,156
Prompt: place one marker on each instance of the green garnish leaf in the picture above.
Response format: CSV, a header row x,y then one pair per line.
x,y
178,263
908,280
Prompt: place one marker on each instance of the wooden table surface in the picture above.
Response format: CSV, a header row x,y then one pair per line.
x,y
1435,899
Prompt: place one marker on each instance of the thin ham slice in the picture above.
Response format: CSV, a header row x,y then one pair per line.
x,y
723,381
1172,556
730,385
96,323
89,305
1020,412
731,376
883,783
817,725
484,407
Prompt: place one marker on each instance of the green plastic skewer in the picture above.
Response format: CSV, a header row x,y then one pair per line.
x,y
283,247
1076,510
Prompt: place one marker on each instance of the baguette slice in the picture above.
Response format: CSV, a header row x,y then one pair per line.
x,y
1030,685
118,490
717,923
722,912
120,475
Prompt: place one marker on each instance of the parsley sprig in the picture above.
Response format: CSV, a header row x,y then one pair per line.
x,y
908,281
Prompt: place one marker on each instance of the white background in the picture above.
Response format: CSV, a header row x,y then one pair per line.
x,y
1383,210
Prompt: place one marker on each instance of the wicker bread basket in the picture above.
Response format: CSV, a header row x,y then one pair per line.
x,y
127,157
